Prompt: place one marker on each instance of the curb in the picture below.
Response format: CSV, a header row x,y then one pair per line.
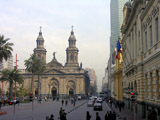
x,y
76,107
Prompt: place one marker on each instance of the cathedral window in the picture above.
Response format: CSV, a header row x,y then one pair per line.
x,y
156,27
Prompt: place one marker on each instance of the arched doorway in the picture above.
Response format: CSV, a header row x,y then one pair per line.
x,y
71,92
54,92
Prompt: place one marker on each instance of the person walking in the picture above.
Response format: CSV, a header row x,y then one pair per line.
x,y
0,104
60,113
52,117
66,102
106,116
88,116
97,116
149,113
62,102
153,114
63,115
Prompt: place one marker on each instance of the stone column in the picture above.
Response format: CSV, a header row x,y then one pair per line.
x,y
154,84
149,85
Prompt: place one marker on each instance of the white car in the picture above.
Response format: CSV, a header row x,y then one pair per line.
x,y
79,97
97,106
99,100
90,103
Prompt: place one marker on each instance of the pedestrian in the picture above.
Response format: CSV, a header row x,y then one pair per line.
x,y
149,114
62,102
63,117
74,103
4,103
60,113
111,102
106,116
113,116
88,116
52,117
119,107
153,114
97,116
66,102
0,104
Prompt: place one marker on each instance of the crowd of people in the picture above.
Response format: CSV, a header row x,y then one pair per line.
x,y
108,116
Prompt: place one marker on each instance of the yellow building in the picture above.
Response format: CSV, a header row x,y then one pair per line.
x,y
118,79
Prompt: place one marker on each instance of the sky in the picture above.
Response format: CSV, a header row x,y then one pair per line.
x,y
20,20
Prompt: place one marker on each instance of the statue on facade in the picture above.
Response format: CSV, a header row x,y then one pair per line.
x,y
54,55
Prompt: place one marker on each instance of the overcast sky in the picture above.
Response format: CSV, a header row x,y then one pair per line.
x,y
20,21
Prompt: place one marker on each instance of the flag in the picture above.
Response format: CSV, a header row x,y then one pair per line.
x,y
118,51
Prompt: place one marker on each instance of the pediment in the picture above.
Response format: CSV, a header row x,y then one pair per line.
x,y
54,71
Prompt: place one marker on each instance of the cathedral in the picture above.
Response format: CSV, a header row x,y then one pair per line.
x,y
59,80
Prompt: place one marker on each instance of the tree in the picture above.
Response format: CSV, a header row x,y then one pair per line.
x,y
22,91
36,66
11,76
5,48
40,70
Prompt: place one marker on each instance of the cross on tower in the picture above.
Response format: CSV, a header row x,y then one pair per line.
x,y
72,27
40,28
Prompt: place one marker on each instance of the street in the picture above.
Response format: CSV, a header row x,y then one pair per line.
x,y
41,110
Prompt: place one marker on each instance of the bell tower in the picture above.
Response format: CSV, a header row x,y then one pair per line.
x,y
40,51
72,52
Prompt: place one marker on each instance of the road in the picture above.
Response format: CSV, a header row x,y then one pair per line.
x,y
41,110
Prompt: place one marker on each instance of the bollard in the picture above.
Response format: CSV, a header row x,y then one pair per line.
x,y
47,117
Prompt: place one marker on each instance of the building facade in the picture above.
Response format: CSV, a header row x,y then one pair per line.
x,y
58,80
6,65
141,53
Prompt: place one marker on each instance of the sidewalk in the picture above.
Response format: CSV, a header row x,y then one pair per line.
x,y
125,114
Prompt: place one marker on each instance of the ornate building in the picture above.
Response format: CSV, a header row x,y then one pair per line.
x,y
141,55
58,80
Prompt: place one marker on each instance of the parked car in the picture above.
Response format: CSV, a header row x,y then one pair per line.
x,y
17,101
97,106
90,103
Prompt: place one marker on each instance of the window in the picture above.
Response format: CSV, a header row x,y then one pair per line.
x,y
150,29
156,27
146,40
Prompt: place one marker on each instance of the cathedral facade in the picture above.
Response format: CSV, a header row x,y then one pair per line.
x,y
58,80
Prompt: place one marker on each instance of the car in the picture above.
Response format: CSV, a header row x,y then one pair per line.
x,y
17,101
79,97
99,100
90,103
97,106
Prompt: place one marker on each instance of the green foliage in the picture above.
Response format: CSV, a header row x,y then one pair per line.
x,y
5,48
34,64
22,91
11,76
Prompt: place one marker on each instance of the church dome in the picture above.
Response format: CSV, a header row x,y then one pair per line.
x,y
40,37
72,37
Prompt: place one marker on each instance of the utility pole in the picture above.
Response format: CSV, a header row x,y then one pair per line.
x,y
2,80
15,80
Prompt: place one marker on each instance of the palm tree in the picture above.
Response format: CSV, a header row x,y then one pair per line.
x,y
40,70
5,48
11,76
36,66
